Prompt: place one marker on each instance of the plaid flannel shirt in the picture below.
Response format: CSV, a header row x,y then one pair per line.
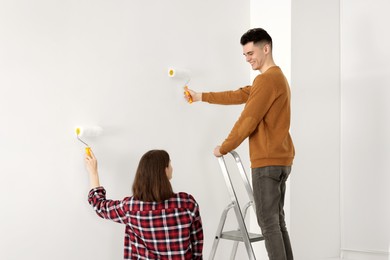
x,y
171,229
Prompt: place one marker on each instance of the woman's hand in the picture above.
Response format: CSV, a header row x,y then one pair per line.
x,y
92,168
91,162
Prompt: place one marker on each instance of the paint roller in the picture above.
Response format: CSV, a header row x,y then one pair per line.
x,y
181,74
87,131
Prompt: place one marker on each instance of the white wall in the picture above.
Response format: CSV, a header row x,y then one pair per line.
x,y
65,63
365,146
315,80
340,198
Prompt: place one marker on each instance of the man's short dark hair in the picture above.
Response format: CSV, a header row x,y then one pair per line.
x,y
256,35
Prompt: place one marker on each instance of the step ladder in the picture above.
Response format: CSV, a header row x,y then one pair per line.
x,y
242,234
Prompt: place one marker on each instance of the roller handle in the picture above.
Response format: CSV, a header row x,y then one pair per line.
x,y
188,95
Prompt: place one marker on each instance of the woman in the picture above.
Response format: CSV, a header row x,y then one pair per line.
x,y
160,224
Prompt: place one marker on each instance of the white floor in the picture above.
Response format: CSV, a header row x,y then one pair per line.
x,y
331,259
368,258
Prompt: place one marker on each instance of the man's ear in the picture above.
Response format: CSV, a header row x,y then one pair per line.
x,y
266,48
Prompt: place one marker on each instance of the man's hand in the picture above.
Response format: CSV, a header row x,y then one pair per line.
x,y
194,95
217,153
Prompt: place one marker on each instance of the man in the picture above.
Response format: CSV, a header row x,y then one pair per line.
x,y
266,121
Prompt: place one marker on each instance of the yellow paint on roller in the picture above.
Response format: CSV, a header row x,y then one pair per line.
x,y
88,151
179,73
77,131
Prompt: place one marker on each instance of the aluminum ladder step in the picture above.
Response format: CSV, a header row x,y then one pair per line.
x,y
236,235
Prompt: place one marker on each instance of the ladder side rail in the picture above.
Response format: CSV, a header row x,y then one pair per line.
x,y
246,207
236,243
243,175
237,209
227,179
219,230
234,250
245,235
245,179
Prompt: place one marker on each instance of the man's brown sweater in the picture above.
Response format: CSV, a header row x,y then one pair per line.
x,y
265,119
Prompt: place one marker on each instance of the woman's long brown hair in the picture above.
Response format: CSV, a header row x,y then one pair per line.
x,y
151,182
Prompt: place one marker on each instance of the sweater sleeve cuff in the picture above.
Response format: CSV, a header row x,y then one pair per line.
x,y
96,189
205,97
222,150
